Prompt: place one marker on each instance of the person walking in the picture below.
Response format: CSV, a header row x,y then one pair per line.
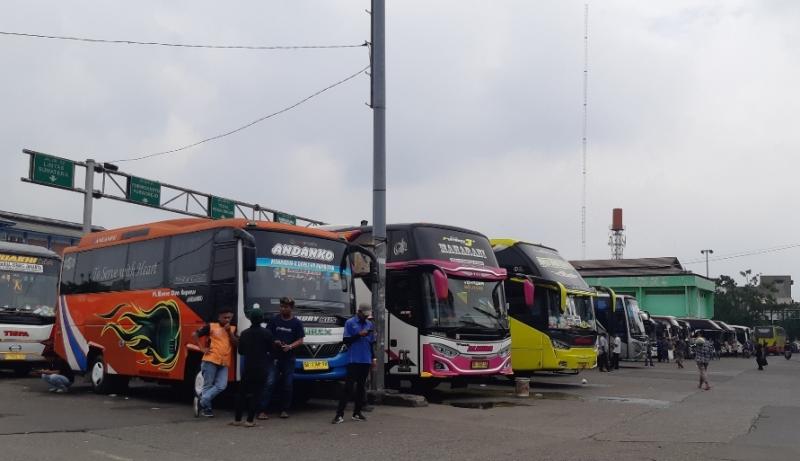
x,y
359,335
255,346
602,352
648,353
680,347
702,355
761,356
615,351
288,333
217,352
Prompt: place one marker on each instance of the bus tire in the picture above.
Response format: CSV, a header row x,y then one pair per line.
x,y
22,370
99,377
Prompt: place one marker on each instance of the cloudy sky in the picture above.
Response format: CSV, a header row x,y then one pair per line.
x,y
693,115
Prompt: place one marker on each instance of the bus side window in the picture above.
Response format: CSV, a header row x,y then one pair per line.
x,y
189,260
224,268
146,264
68,274
403,296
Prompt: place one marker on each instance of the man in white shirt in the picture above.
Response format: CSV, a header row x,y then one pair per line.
x,y
615,351
602,352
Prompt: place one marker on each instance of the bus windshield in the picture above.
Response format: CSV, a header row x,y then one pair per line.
x,y
634,318
764,332
29,287
470,304
579,314
552,266
299,266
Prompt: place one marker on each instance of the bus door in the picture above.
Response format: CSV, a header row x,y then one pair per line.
x,y
404,307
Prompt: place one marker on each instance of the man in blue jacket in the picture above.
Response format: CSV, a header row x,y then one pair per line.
x,y
359,335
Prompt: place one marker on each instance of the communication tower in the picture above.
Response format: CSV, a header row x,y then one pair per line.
x,y
616,237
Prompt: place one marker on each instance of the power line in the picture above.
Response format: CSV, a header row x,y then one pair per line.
x,y
243,127
179,45
745,253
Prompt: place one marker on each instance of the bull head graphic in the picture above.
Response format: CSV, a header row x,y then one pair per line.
x,y
156,333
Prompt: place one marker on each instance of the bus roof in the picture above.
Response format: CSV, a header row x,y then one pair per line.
x,y
512,242
356,230
184,226
27,250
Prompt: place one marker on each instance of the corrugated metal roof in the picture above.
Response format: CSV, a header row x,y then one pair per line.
x,y
42,225
629,267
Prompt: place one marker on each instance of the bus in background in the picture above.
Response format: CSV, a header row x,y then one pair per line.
x,y
558,331
772,337
446,308
28,288
131,298
619,314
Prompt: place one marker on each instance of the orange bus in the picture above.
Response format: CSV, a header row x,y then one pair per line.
x,y
130,298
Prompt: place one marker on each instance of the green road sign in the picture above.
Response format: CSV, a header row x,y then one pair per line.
x,y
220,208
144,191
284,218
52,171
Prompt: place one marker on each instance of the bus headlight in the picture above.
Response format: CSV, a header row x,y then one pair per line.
x,y
558,344
504,351
45,311
446,351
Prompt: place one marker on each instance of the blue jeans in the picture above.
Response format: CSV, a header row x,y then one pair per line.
x,y
215,380
282,371
57,382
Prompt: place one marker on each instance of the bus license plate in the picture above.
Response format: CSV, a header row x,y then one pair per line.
x,y
313,365
14,356
479,364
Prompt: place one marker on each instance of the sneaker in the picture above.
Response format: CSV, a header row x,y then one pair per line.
x,y
196,406
235,423
338,419
249,424
207,413
284,415
60,391
262,416
359,417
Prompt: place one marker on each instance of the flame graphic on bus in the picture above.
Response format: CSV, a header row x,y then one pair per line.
x,y
156,333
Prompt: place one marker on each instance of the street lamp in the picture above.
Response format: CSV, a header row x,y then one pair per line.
x,y
707,252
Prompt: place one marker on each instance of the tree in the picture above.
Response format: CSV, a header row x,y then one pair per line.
x,y
742,305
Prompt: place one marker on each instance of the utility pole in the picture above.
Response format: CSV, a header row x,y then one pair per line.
x,y
707,252
88,197
378,18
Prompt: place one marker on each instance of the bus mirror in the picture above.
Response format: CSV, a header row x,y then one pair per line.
x,y
527,287
440,285
563,294
249,258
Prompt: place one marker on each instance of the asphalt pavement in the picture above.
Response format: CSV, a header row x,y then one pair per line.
x,y
634,413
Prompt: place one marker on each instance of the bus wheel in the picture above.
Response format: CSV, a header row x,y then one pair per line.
x,y
22,370
98,375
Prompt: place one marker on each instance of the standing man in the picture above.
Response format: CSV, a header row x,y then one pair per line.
x,y
255,345
648,353
359,335
616,351
702,355
288,333
217,352
602,349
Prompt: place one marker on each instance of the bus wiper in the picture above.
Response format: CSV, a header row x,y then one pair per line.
x,y
311,308
492,316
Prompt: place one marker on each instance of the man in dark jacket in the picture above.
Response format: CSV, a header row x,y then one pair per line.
x,y
255,346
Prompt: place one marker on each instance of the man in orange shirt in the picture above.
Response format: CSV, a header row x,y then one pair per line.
x,y
216,358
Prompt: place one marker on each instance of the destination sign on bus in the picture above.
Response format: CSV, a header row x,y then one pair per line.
x,y
454,246
17,263
552,266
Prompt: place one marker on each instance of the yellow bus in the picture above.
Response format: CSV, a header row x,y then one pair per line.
x,y
772,337
556,330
